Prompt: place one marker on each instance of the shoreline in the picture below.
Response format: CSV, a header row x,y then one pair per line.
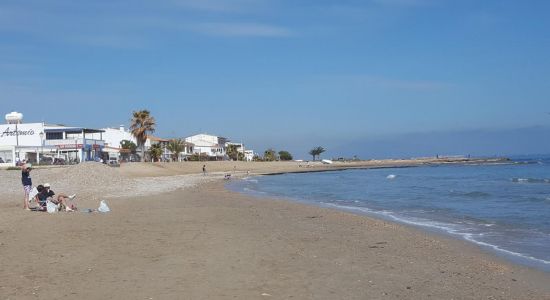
x,y
487,249
207,242
194,237
495,257
514,258
136,170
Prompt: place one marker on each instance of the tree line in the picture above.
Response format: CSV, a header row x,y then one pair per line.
x,y
142,124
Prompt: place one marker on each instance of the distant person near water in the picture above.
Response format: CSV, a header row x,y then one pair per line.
x,y
204,170
26,180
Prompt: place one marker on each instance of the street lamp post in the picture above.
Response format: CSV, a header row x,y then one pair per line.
x,y
41,134
17,141
76,150
15,118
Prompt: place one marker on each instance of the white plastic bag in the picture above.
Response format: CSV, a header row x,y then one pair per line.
x,y
33,193
103,207
51,207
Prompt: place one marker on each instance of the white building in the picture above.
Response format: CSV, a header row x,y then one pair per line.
x,y
248,155
167,155
34,142
212,146
113,138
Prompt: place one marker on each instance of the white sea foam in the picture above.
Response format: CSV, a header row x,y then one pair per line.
x,y
252,191
445,227
531,180
489,235
497,248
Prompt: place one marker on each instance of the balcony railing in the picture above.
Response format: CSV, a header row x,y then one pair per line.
x,y
72,142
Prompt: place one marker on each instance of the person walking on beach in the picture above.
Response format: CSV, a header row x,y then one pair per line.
x,y
204,170
26,180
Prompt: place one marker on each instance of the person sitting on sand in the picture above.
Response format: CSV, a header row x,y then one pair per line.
x,y
62,200
40,198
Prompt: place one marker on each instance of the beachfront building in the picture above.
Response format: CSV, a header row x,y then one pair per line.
x,y
153,140
167,155
45,143
247,155
188,149
113,138
214,147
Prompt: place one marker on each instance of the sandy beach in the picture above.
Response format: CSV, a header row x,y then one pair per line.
x,y
176,234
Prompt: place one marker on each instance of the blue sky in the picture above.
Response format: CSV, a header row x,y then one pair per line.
x,y
357,77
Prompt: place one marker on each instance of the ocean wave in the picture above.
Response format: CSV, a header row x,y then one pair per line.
x,y
449,228
499,249
473,194
531,180
252,191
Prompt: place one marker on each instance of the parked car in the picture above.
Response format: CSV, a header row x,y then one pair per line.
x,y
59,161
113,161
46,160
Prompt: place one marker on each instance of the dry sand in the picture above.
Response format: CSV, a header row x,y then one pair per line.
x,y
200,241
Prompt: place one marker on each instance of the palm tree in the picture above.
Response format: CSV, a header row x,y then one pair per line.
x,y
317,151
176,146
233,152
320,151
155,151
130,146
141,124
313,153
270,155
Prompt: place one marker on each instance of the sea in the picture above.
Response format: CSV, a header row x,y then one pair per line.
x,y
503,208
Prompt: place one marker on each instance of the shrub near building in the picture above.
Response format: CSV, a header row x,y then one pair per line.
x,y
285,155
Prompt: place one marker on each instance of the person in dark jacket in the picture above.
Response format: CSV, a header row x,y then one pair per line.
x,y
26,180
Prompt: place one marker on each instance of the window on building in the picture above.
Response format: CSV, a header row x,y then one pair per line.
x,y
5,156
54,135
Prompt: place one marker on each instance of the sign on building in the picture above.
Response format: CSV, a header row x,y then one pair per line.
x,y
25,135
